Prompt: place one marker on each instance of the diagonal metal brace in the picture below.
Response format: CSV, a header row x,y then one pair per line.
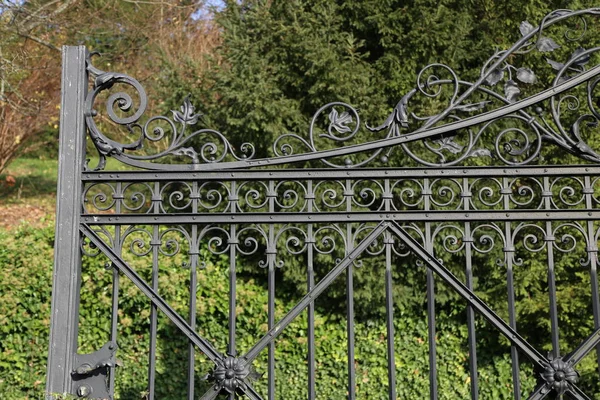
x,y
474,301
124,268
574,357
319,288
309,298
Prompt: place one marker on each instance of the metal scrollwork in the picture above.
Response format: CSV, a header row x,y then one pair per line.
x,y
197,146
501,104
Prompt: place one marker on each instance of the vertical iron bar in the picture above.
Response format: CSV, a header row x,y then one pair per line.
x,y
551,274
470,312
592,249
311,307
271,255
350,300
232,346
512,315
194,253
389,297
389,308
153,309
66,278
115,289
433,389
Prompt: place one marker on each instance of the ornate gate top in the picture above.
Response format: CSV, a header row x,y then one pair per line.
x,y
198,203
507,103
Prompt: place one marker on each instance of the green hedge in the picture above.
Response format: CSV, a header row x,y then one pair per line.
x,y
25,289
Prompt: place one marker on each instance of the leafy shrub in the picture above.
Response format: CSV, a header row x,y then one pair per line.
x,y
25,273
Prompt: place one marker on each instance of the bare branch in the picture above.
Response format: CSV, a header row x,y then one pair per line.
x,y
38,40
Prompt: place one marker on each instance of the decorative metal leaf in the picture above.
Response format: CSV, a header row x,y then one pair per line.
x,y
187,152
480,153
186,116
448,143
556,65
563,79
339,121
494,77
526,75
526,28
545,44
580,60
472,107
512,91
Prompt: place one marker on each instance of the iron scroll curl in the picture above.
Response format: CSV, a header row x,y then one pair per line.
x,y
564,112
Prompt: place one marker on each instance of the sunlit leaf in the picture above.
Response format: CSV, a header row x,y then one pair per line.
x,y
448,143
545,44
580,60
526,75
512,91
339,121
494,77
526,28
480,153
186,116
563,79
556,65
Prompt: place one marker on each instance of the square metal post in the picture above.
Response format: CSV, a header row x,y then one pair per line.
x,y
67,254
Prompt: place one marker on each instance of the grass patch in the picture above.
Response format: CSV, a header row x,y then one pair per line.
x,y
29,180
33,180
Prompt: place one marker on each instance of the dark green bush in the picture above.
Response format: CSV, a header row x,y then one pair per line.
x,y
25,273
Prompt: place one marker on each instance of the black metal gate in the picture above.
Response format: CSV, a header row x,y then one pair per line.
x,y
475,179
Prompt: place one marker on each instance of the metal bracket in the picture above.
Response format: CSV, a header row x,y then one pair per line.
x,y
90,374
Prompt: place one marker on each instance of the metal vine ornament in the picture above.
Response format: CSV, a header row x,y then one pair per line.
x,y
471,182
565,114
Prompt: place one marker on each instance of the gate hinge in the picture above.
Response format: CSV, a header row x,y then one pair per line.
x,y
91,372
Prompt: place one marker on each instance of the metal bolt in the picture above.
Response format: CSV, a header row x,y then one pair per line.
x,y
84,391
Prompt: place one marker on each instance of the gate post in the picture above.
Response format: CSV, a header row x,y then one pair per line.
x,y
67,261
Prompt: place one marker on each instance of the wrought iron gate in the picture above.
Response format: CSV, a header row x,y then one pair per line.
x,y
470,180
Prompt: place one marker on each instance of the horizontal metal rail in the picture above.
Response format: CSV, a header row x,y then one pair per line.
x,y
334,174
307,218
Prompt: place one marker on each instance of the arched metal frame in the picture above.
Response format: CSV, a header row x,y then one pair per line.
x,y
202,188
